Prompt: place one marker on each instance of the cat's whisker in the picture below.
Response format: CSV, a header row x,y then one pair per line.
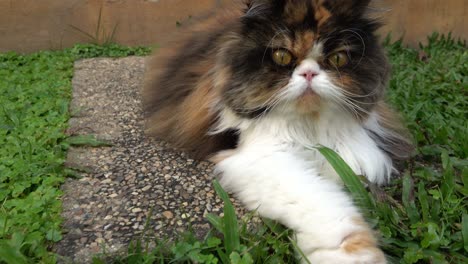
x,y
352,102
343,104
356,107
338,102
338,97
359,101
348,93
354,31
263,105
278,98
271,103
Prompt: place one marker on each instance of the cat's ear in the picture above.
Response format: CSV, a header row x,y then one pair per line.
x,y
251,3
256,7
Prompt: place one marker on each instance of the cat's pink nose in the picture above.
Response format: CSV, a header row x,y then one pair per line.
x,y
309,74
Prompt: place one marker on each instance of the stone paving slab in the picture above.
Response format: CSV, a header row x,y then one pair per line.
x,y
123,183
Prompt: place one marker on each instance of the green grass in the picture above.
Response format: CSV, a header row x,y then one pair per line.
x,y
35,92
429,222
422,216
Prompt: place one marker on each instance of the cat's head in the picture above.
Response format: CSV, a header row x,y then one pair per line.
x,y
302,55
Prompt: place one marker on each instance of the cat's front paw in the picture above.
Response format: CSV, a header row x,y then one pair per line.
x,y
356,248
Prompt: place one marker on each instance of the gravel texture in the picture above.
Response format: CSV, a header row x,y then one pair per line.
x,y
135,181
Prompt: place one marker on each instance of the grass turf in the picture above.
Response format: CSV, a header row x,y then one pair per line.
x,y
422,216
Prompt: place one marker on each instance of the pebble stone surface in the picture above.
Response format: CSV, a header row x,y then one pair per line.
x,y
136,180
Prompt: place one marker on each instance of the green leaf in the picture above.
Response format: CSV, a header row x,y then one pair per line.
x,y
408,199
181,249
11,254
235,258
430,237
54,235
413,255
213,242
445,160
465,231
238,259
230,225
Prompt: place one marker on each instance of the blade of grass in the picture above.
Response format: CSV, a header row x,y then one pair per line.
x,y
222,255
98,26
350,179
423,200
91,37
274,226
465,231
230,226
110,38
215,221
87,140
296,247
408,199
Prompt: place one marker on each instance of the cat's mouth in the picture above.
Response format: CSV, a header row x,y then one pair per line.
x,y
308,94
308,101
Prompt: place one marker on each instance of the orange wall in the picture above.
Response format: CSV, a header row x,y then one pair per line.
x,y
27,25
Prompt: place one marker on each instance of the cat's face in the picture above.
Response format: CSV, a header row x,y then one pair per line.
x,y
302,54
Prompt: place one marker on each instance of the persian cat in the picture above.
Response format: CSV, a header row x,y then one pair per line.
x,y
257,88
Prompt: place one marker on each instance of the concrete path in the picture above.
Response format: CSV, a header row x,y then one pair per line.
x,y
109,206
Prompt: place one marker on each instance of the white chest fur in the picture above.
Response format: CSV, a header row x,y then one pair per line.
x,y
299,135
276,171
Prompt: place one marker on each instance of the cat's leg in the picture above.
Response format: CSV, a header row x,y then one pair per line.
x,y
281,186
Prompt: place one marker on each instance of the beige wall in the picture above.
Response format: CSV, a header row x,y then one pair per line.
x,y
31,25
416,19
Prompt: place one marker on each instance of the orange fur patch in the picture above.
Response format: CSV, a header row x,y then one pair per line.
x,y
197,117
321,13
361,241
304,40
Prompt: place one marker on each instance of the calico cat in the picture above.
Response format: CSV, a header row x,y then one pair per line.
x,y
257,88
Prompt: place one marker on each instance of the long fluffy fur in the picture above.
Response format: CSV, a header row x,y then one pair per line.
x,y
221,93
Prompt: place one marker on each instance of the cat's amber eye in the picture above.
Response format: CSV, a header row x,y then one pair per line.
x,y
282,57
338,59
